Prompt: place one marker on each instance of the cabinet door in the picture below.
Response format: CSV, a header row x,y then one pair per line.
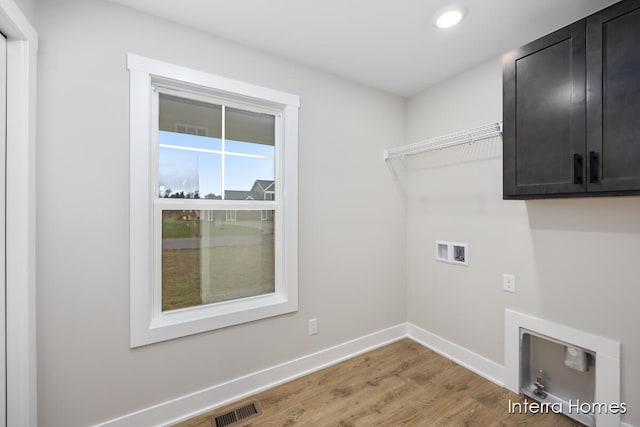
x,y
613,98
544,116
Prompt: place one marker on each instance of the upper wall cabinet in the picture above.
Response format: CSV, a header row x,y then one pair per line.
x,y
544,115
572,109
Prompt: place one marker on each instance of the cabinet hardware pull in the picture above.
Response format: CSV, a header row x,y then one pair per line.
x,y
577,168
593,167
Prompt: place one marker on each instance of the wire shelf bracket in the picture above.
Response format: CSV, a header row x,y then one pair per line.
x,y
468,136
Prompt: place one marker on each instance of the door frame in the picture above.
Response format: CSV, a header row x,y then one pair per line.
x,y
22,46
3,228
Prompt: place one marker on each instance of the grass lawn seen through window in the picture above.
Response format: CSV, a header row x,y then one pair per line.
x,y
206,262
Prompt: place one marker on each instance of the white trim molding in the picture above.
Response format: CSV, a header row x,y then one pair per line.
x,y
22,46
607,357
462,356
190,405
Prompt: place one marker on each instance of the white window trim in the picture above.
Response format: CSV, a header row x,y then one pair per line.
x,y
147,324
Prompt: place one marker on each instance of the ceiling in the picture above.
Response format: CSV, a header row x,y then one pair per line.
x,y
391,45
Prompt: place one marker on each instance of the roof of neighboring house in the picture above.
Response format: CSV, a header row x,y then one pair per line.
x,y
241,195
259,188
263,185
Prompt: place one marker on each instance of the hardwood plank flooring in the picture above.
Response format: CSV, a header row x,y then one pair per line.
x,y
401,384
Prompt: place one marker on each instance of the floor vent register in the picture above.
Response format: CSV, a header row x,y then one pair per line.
x,y
237,415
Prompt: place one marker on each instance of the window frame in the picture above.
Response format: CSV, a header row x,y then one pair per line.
x,y
148,323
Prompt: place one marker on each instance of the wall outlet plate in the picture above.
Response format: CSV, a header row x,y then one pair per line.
x,y
509,282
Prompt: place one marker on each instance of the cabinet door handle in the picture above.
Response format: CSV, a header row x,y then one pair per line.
x,y
593,167
577,168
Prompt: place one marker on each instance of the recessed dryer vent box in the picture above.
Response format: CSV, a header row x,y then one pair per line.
x,y
558,373
459,253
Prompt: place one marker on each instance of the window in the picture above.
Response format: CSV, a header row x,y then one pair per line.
x,y
213,201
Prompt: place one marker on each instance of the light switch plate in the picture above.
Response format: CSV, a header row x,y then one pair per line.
x,y
313,326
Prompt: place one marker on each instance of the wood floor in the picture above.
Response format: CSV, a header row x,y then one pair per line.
x,y
402,384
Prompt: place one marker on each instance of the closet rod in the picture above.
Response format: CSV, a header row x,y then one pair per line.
x,y
463,137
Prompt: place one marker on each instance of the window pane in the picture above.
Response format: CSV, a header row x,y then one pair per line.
x,y
211,256
189,174
189,142
190,117
250,148
247,126
189,138
249,178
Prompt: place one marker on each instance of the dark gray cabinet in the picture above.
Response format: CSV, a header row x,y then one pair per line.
x,y
613,98
572,109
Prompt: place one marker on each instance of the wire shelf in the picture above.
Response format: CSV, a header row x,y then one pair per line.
x,y
463,137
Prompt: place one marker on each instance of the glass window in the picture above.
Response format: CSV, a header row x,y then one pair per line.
x,y
211,151
213,233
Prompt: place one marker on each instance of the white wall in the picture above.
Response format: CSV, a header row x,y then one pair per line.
x,y
27,7
352,270
576,261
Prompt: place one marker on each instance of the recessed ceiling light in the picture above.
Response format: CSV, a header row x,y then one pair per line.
x,y
450,16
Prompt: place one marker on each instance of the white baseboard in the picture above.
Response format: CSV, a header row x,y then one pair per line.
x,y
216,396
190,405
470,360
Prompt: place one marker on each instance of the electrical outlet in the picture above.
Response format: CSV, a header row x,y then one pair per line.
x,y
509,282
313,326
